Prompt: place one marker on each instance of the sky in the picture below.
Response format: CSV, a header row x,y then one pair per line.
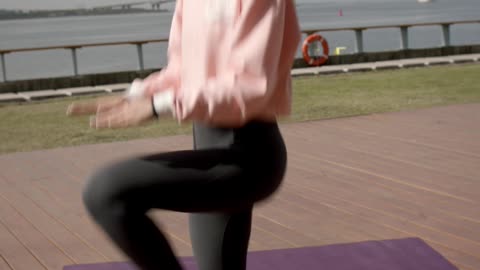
x,y
65,4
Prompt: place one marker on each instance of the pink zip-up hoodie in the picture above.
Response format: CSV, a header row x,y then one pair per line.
x,y
229,61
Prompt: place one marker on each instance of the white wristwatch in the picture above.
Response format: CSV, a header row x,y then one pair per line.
x,y
162,102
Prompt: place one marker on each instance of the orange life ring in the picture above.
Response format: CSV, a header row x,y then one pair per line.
x,y
315,60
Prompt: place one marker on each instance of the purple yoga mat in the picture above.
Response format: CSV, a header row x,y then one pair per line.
x,y
400,254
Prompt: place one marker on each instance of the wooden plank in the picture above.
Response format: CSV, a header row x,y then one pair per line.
x,y
28,166
298,239
9,168
448,229
443,168
350,187
331,218
458,258
452,118
448,163
15,254
71,219
361,212
305,161
448,199
410,205
66,191
432,156
49,255
409,127
406,174
456,158
268,240
58,234
417,138
458,255
74,221
4,264
327,231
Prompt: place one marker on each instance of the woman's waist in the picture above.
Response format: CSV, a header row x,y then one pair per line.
x,y
255,133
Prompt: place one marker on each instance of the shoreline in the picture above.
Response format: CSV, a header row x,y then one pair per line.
x,y
51,14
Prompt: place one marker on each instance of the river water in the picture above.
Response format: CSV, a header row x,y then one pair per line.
x,y
312,14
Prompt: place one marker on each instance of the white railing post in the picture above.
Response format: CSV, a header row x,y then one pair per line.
x,y
404,37
446,35
141,65
74,60
359,40
4,67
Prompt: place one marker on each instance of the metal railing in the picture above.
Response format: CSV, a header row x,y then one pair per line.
x,y
404,32
73,48
359,44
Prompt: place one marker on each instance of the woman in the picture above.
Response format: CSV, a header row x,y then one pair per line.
x,y
229,73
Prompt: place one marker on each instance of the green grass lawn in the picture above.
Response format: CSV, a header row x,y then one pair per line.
x,y
42,125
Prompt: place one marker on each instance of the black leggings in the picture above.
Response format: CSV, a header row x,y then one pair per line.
x,y
218,183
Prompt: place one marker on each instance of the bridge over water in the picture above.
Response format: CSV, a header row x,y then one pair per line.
x,y
154,4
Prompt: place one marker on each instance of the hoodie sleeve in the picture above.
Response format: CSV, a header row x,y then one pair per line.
x,y
243,86
168,79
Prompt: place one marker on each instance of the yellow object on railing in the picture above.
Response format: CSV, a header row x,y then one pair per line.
x,y
338,50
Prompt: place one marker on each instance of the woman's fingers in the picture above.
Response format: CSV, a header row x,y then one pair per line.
x,y
81,108
110,121
107,104
92,107
125,114
114,118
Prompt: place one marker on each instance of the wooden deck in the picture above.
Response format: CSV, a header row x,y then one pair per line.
x,y
374,177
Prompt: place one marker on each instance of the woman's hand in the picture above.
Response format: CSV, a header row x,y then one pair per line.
x,y
115,112
92,107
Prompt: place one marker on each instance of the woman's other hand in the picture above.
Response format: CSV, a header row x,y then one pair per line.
x,y
115,112
92,107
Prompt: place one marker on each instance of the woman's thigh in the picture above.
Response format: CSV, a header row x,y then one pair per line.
x,y
186,181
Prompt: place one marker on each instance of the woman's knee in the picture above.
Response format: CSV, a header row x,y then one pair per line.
x,y
100,193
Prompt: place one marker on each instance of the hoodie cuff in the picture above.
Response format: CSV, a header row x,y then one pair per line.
x,y
136,90
163,103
